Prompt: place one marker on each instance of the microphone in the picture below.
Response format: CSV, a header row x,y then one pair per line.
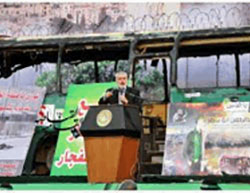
x,y
136,96
139,97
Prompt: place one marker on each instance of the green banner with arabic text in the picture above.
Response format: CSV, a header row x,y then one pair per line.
x,y
70,159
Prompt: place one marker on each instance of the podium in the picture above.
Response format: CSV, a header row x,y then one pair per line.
x,y
111,134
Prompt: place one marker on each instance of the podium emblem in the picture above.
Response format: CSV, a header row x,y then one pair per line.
x,y
104,117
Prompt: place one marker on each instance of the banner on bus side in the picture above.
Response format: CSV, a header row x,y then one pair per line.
x,y
207,139
19,107
70,158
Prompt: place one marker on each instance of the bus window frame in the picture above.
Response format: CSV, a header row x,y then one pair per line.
x,y
237,73
163,57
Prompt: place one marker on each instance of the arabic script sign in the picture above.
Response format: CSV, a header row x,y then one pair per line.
x,y
70,158
18,112
207,139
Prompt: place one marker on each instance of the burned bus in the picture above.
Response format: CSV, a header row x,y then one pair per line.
x,y
195,91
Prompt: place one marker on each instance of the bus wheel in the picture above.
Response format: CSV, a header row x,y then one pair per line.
x,y
44,157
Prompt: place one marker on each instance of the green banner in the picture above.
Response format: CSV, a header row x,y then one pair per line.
x,y
70,159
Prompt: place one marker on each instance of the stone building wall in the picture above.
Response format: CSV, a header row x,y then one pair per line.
x,y
18,19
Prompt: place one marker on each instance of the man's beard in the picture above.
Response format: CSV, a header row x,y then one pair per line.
x,y
122,86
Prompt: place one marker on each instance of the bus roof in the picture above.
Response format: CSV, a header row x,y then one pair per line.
x,y
46,41
28,51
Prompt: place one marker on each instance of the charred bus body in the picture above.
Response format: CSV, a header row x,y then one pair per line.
x,y
205,66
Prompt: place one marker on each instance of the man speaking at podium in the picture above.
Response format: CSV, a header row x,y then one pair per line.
x,y
123,94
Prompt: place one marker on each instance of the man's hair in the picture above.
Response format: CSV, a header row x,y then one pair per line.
x,y
128,185
121,73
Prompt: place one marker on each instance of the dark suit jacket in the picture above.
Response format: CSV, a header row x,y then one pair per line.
x,y
132,95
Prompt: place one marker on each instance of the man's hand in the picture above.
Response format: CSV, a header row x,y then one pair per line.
x,y
124,100
108,94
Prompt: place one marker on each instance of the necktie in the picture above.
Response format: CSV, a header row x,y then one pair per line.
x,y
121,93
